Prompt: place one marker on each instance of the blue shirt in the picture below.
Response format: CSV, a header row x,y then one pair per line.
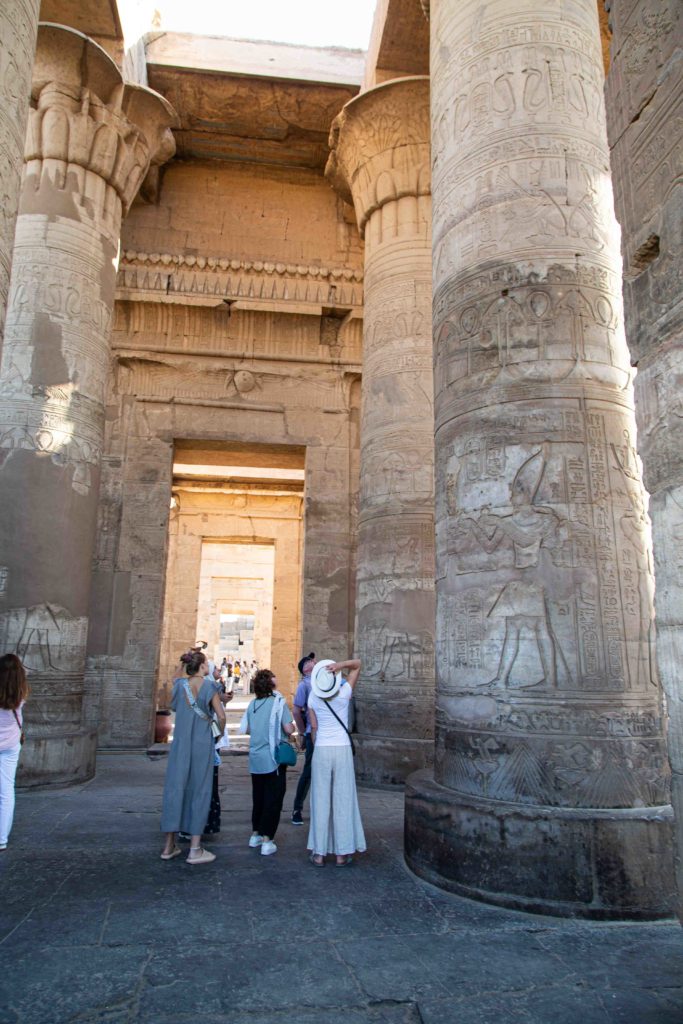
x,y
303,692
258,716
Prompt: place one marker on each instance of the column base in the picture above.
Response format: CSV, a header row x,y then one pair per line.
x,y
62,759
387,761
570,862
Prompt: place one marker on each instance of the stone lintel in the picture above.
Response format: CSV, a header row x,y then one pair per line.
x,y
262,285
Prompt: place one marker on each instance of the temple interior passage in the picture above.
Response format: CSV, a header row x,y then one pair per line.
x,y
375,352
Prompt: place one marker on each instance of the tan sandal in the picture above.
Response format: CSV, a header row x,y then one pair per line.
x,y
175,852
204,857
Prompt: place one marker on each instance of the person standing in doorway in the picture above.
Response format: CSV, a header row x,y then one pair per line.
x,y
268,721
300,710
13,694
237,673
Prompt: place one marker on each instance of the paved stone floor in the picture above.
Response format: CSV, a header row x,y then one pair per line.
x,y
94,927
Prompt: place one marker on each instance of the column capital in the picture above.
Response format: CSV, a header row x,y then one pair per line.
x,y
380,146
85,118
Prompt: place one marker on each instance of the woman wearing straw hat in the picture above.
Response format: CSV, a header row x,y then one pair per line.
x,y
335,826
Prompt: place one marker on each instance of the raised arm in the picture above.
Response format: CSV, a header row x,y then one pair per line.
x,y
352,666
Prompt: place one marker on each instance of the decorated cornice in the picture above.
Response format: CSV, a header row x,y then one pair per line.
x,y
85,118
380,146
257,284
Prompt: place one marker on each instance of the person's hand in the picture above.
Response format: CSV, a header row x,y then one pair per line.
x,y
227,697
337,667
301,742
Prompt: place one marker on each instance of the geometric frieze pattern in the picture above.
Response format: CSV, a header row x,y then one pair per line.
x,y
164,276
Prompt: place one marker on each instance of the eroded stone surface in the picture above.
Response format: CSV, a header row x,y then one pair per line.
x,y
547,687
381,157
645,108
90,141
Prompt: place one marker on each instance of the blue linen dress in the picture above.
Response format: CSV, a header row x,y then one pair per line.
x,y
189,775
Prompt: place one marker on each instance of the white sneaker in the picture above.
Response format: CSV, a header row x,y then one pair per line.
x,y
268,848
255,841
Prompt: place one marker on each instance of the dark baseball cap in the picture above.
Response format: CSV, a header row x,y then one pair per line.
x,y
302,662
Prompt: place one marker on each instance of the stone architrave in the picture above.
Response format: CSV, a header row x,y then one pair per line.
x,y
380,159
90,141
18,27
551,785
645,127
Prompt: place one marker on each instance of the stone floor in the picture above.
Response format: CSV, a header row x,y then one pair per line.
x,y
94,927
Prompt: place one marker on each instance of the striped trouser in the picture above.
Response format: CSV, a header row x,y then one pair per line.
x,y
335,826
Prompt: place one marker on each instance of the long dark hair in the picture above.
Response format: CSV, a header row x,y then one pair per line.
x,y
264,683
13,683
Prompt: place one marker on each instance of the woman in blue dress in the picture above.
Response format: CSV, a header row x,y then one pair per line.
x,y
189,776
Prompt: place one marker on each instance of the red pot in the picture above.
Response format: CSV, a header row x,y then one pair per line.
x,y
162,727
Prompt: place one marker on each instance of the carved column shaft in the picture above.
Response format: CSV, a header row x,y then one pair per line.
x,y
18,27
645,123
549,711
381,157
89,143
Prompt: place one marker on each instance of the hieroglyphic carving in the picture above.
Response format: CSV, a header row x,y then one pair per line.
x,y
545,594
89,142
380,158
18,24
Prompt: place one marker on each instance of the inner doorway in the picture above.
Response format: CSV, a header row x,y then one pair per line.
x,y
235,549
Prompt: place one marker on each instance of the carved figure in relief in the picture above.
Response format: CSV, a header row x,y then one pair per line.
x,y
523,602
636,530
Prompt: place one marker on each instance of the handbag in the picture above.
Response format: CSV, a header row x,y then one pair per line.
x,y
22,734
353,748
285,753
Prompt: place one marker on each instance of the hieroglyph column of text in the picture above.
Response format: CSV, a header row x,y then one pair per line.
x,y
645,125
89,144
548,697
380,158
18,26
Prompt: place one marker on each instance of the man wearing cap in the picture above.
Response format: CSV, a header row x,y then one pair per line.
x,y
300,712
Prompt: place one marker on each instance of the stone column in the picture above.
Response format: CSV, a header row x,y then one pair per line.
x,y
18,26
89,144
645,127
380,159
551,786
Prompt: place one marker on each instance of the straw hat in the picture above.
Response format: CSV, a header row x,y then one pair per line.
x,y
323,683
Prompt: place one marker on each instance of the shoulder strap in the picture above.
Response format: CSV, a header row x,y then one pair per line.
x,y
353,749
193,703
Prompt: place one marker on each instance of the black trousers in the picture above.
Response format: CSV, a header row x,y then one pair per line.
x,y
268,793
305,777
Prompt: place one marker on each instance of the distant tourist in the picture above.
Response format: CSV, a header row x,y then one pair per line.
x,y
13,694
336,825
190,772
237,673
300,710
268,721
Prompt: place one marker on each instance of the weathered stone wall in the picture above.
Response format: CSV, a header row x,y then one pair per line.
x,y
645,124
239,517
238,320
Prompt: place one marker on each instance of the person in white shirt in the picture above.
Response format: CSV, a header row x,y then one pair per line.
x,y
335,825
